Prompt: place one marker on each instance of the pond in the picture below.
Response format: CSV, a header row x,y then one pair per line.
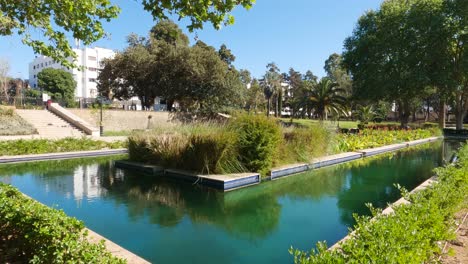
x,y
166,221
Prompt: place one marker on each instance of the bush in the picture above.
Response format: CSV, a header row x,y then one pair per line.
x,y
303,144
412,233
258,141
32,232
212,153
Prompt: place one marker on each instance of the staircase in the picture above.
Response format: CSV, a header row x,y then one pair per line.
x,y
48,124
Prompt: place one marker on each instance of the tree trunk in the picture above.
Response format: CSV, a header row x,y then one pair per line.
x,y
169,104
268,106
276,106
442,113
404,114
280,103
461,108
427,112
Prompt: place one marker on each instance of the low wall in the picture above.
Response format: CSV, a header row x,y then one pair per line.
x,y
119,120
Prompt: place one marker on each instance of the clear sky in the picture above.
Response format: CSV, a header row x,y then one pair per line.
x,y
292,33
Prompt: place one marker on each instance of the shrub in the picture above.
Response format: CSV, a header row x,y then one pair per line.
x,y
303,144
412,233
36,233
212,153
258,141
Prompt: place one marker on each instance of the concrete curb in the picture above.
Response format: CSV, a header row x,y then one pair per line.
x,y
61,155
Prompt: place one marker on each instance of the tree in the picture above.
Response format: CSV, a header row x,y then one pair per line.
x,y
379,58
59,83
83,20
295,81
166,66
405,49
271,84
4,69
326,97
255,97
226,55
337,73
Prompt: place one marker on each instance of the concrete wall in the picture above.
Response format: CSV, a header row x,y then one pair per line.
x,y
118,120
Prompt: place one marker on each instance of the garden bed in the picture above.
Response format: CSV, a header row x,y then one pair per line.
x,y
13,124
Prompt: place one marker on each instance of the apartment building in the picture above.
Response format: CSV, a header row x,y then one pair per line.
x,y
89,58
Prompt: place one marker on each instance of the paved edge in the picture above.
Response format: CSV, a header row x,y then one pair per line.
x,y
115,249
292,169
61,155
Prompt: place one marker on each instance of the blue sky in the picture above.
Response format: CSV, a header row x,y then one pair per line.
x,y
292,33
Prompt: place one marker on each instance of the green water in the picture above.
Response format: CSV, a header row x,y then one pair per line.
x,y
170,222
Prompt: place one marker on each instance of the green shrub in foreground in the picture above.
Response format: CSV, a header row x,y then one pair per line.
x,y
411,234
38,146
258,141
32,232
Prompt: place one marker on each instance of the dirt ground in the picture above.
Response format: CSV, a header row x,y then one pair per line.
x,y
458,248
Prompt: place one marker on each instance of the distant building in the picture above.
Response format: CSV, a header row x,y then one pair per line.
x,y
89,58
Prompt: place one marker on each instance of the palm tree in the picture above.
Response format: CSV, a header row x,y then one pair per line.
x,y
326,97
271,84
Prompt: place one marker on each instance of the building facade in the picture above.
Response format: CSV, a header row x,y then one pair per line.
x,y
90,61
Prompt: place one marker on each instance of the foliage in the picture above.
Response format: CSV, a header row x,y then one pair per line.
x,y
302,144
199,78
326,98
411,234
247,143
54,19
198,12
13,124
405,49
258,141
38,146
36,233
59,83
370,138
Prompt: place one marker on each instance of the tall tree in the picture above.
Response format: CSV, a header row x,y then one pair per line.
x,y
271,84
58,83
337,73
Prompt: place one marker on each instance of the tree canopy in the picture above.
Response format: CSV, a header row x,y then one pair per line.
x,y
58,83
199,78
406,47
83,20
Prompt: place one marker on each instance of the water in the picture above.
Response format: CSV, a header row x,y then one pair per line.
x,y
170,222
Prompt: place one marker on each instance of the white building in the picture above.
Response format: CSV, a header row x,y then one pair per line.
x,y
89,58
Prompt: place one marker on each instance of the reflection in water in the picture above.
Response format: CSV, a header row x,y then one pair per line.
x,y
245,225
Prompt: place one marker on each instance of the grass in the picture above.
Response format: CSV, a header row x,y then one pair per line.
x,y
121,133
40,146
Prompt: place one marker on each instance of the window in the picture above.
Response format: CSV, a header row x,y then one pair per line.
x,y
34,76
91,58
34,67
92,79
42,64
92,69
34,85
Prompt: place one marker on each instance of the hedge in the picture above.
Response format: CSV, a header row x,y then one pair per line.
x,y
32,232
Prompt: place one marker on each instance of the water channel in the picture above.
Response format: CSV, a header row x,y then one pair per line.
x,y
165,221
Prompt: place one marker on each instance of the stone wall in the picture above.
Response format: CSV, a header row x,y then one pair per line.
x,y
119,120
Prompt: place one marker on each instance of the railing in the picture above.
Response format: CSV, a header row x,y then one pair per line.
x,y
22,102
